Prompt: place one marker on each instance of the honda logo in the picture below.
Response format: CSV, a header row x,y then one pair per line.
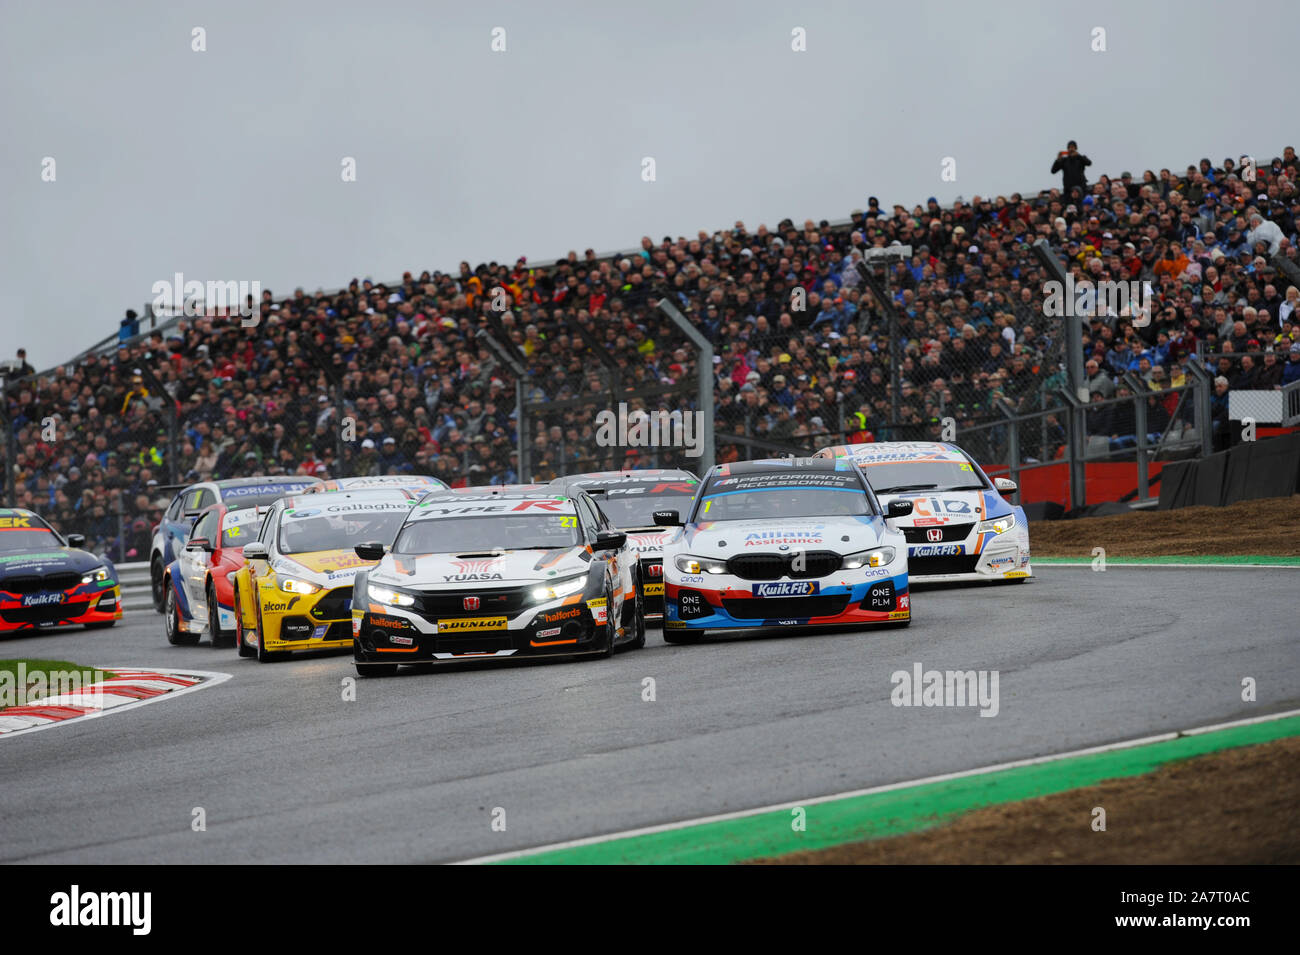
x,y
934,534
470,603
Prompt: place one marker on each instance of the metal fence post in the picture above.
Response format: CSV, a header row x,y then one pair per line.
x,y
1013,439
1140,427
1076,440
516,367
9,488
1203,414
121,526
704,368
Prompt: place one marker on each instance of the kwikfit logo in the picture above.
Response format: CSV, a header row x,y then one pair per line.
x,y
42,600
786,588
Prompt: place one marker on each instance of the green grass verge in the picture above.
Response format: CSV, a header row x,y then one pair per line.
x,y
897,811
43,677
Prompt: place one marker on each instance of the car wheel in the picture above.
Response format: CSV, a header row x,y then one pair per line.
x,y
156,583
172,620
375,669
264,655
682,636
220,638
241,638
611,624
638,623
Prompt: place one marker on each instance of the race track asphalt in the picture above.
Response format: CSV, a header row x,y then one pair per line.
x,y
287,771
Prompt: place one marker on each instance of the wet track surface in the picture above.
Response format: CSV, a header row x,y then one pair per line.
x,y
287,771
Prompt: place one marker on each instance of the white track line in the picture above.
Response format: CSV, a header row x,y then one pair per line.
x,y
741,814
208,678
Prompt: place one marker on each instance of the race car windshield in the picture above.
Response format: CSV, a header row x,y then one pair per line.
x,y
308,530
638,511
895,476
27,538
238,535
769,496
482,534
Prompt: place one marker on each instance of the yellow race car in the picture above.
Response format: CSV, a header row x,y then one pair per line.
x,y
294,591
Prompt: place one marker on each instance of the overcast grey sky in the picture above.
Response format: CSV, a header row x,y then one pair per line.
x,y
225,164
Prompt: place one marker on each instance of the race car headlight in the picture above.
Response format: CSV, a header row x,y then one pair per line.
x,y
394,598
700,565
560,588
293,585
95,576
876,557
998,526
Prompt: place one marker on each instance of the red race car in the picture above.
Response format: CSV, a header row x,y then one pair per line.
x,y
198,588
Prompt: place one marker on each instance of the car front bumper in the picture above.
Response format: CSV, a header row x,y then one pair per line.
x,y
723,602
84,603
573,626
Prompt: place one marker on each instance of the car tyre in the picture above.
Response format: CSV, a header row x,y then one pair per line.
x,y
156,583
683,636
172,620
375,669
220,638
264,655
638,624
241,642
611,625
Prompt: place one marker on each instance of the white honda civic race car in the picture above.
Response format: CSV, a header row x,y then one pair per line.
x,y
782,543
497,573
961,528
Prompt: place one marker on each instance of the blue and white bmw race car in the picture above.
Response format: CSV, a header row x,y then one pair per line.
x,y
781,543
960,528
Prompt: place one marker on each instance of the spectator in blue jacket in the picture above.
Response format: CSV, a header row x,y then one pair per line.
x,y
1292,370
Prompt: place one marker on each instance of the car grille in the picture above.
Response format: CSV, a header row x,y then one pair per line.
x,y
35,583
816,563
508,601
950,532
61,611
335,605
760,608
935,566
478,643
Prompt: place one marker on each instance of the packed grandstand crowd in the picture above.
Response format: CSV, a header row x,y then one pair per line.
x,y
422,394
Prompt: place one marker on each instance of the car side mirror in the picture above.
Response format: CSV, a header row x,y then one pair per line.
x,y
76,540
370,550
1005,486
199,543
898,509
609,540
667,519
255,551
